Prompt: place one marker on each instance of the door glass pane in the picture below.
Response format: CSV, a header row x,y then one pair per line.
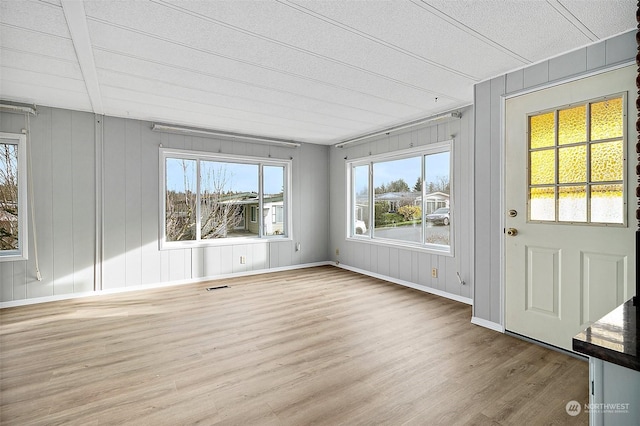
x,y
542,128
572,125
572,164
361,224
606,119
395,203
180,200
543,167
273,199
572,204
543,203
607,203
607,161
226,190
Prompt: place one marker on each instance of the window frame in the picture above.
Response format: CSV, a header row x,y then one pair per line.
x,y
230,158
22,253
369,237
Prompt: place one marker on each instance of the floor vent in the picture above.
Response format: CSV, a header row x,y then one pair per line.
x,y
217,287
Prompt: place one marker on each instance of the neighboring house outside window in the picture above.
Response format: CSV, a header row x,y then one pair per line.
x,y
384,208
211,198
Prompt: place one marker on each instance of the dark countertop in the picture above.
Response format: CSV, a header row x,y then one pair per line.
x,y
614,337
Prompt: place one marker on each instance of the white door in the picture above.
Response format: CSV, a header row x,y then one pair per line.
x,y
570,200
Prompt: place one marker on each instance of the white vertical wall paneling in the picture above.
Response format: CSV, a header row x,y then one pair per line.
x,y
150,256
238,251
197,266
83,177
115,213
98,254
6,280
226,260
497,90
62,202
133,203
393,260
41,138
482,195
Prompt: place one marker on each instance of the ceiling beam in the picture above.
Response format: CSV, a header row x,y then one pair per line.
x,y
77,22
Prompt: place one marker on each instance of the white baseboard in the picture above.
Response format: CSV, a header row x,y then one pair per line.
x,y
487,324
36,300
426,289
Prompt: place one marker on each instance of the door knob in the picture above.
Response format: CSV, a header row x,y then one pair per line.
x,y
513,213
512,232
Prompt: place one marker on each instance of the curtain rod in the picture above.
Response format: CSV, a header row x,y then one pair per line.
x,y
183,130
441,117
20,108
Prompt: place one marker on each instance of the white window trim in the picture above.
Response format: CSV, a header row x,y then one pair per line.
x,y
434,148
22,253
211,156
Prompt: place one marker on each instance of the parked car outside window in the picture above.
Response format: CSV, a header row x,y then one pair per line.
x,y
440,216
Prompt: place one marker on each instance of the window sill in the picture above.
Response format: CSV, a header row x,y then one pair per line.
x,y
175,245
13,257
444,251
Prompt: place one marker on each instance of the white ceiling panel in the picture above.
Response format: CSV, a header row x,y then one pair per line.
x,y
334,99
398,76
617,12
114,64
38,43
187,117
35,15
532,28
38,63
152,49
309,70
226,105
31,88
431,38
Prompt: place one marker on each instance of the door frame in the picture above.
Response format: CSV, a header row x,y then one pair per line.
x,y
503,169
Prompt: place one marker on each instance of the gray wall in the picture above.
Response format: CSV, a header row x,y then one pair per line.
x,y
488,98
68,154
411,265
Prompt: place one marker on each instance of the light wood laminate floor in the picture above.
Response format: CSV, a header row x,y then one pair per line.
x,y
312,346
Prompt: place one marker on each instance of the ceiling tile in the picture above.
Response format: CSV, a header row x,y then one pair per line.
x,y
36,16
531,29
619,15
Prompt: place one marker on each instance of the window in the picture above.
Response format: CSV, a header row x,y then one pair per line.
x,y
576,164
212,198
13,197
403,198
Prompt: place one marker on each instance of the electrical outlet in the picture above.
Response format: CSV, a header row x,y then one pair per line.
x,y
243,260
337,252
434,272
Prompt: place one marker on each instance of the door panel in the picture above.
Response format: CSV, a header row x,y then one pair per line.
x,y
596,298
543,280
562,271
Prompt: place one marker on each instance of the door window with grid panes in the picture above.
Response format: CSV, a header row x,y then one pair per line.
x,y
576,163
